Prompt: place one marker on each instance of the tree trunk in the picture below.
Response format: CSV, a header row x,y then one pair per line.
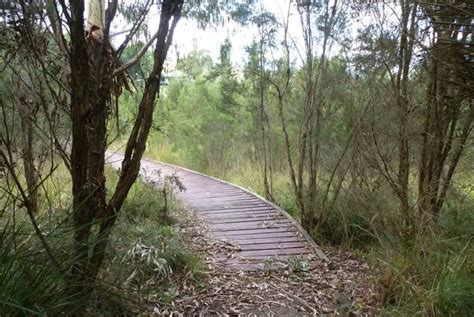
x,y
264,125
405,53
80,107
27,109
449,112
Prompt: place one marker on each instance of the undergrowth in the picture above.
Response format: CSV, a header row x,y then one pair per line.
x,y
148,255
146,262
29,284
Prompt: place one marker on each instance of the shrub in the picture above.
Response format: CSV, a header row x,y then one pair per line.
x,y
456,295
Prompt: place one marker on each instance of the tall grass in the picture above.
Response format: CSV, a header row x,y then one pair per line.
x,y
146,257
29,284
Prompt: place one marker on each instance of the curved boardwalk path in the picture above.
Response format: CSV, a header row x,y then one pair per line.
x,y
260,230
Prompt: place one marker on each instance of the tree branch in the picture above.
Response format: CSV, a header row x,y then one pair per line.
x,y
137,57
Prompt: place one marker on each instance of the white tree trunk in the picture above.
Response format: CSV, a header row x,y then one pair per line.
x,y
96,15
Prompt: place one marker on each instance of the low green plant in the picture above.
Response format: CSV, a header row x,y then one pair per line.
x,y
428,276
297,265
456,295
457,218
29,283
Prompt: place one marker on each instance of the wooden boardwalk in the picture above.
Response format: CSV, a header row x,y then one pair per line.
x,y
261,232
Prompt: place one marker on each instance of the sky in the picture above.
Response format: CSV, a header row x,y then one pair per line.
x,y
189,37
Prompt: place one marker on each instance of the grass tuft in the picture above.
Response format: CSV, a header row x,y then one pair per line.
x,y
456,295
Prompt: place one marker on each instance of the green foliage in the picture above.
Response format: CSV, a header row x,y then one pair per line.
x,y
196,63
211,123
214,12
195,116
456,295
211,120
138,71
457,218
143,203
432,276
29,284
351,228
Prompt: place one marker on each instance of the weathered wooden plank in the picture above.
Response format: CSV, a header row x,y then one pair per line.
x,y
213,195
240,214
198,192
228,207
217,221
199,185
268,240
230,202
224,214
211,205
255,231
261,235
226,200
272,246
239,210
257,260
273,252
243,229
269,224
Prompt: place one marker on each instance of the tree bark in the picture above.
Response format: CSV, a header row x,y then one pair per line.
x,y
80,108
405,53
